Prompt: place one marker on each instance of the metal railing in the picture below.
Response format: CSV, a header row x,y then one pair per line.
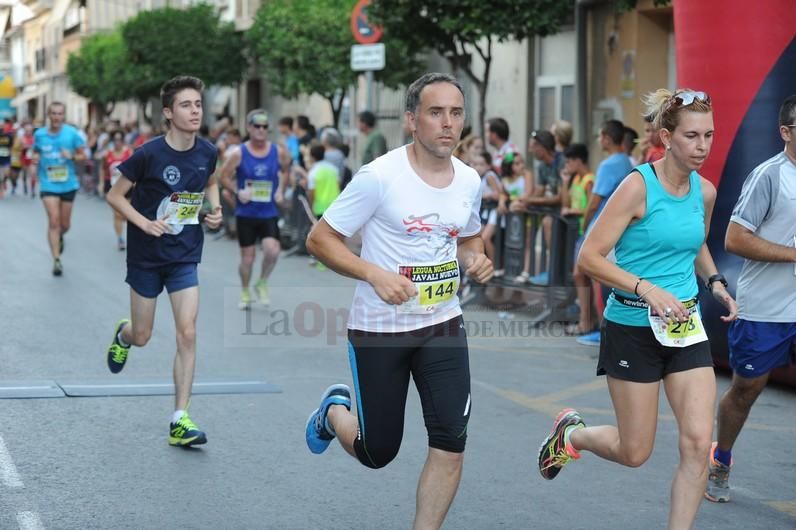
x,y
512,237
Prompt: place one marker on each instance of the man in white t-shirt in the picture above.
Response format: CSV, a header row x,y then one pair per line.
x,y
418,209
762,230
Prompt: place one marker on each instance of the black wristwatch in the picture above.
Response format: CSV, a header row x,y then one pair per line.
x,y
715,278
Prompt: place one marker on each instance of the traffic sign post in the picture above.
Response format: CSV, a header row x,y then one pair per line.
x,y
369,56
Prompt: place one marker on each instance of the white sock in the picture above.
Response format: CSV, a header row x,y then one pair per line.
x,y
177,415
568,432
120,339
328,424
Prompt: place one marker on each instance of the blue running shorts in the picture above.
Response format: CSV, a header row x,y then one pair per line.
x,y
150,282
756,348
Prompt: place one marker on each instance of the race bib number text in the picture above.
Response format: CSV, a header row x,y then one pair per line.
x,y
260,190
436,285
57,173
183,208
679,334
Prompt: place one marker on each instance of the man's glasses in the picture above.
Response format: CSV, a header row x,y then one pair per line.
x,y
259,126
790,126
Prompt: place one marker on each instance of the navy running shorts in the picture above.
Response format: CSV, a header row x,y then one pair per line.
x,y
756,348
150,282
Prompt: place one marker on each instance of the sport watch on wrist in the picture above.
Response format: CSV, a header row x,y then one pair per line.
x,y
715,278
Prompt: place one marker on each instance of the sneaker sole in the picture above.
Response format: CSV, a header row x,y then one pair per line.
x,y
332,388
546,442
720,500
180,442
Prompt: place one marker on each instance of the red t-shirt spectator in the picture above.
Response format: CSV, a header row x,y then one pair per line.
x,y
27,150
655,152
112,160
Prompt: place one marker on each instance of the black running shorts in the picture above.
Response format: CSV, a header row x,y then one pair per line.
x,y
253,229
68,196
437,359
634,354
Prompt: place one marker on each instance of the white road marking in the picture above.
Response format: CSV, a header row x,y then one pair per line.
x,y
8,471
29,521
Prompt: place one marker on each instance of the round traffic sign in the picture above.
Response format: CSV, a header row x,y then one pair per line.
x,y
364,32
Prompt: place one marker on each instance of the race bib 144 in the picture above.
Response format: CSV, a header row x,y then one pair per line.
x,y
436,284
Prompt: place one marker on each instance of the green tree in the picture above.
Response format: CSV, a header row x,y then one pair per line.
x,y
166,42
459,29
303,47
100,72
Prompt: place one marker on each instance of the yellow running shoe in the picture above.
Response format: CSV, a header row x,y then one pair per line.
x,y
185,433
245,300
262,292
117,353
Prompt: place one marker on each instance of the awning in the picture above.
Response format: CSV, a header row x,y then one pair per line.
x,y
28,93
58,11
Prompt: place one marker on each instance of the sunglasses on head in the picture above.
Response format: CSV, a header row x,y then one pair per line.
x,y
686,98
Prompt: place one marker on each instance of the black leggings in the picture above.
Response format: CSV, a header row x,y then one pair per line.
x,y
437,358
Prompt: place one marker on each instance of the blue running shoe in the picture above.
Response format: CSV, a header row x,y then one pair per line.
x,y
318,434
543,278
589,339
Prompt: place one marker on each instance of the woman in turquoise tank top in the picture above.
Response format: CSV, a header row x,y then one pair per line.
x,y
657,223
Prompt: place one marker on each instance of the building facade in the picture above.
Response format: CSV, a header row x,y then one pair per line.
x,y
594,69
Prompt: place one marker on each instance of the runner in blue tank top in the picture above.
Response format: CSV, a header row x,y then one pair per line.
x,y
657,222
260,168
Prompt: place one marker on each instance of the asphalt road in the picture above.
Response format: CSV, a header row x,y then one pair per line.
x,y
104,462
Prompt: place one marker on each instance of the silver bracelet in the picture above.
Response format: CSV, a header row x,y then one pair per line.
x,y
645,293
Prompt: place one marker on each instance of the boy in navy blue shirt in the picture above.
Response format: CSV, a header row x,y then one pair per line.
x,y
172,174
